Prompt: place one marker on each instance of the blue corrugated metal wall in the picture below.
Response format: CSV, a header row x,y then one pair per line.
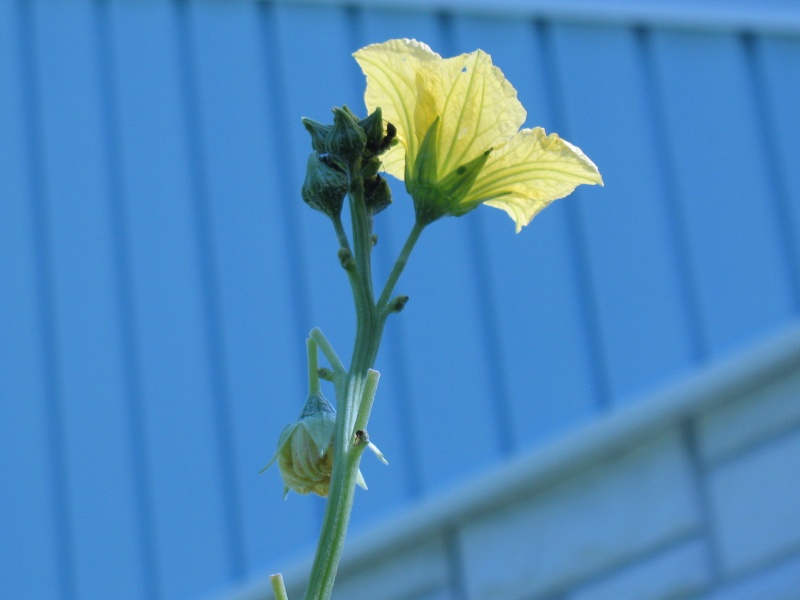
x,y
158,271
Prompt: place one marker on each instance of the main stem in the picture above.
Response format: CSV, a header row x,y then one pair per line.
x,y
347,457
370,319
369,329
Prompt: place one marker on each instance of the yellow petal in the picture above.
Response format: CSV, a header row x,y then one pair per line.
x,y
529,172
391,69
478,107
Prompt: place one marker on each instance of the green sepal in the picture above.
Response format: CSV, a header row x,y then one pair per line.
x,y
350,113
425,167
319,419
457,184
319,134
286,433
421,185
434,197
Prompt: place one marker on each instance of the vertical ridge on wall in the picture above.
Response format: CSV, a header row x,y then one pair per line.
x,y
294,247
731,230
484,289
643,333
775,57
788,235
210,294
537,305
35,547
142,492
579,251
688,302
260,290
43,295
177,393
313,82
690,435
102,518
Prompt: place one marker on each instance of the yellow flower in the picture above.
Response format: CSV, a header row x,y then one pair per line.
x,y
458,123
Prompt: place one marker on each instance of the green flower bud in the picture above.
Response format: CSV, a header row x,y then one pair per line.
x,y
377,194
346,141
325,186
373,128
319,133
305,450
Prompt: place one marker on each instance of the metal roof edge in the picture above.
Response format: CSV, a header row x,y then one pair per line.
x,y
705,15
749,369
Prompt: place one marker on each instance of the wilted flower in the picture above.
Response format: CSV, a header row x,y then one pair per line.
x,y
305,450
458,122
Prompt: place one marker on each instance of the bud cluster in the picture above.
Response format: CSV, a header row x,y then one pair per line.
x,y
349,146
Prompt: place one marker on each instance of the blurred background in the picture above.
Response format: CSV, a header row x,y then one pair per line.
x,y
605,406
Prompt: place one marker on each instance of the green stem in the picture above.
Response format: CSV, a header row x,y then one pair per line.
x,y
399,265
324,345
313,367
362,235
355,390
346,461
369,329
340,233
278,588
365,407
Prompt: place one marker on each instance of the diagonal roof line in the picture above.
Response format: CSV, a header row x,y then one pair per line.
x,y
750,369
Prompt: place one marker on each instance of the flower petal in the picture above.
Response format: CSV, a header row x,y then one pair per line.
x,y
284,437
525,175
478,107
391,69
